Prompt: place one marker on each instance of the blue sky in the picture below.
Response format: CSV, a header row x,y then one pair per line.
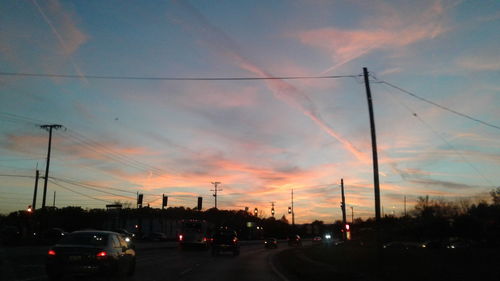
x,y
259,138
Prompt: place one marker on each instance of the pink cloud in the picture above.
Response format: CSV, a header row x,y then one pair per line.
x,y
390,31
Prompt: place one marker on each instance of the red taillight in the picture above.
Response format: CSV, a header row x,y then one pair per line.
x,y
181,237
204,239
101,254
235,240
51,253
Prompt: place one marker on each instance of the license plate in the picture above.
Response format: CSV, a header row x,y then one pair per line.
x,y
75,258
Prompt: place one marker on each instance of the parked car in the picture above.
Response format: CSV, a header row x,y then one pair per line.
x,y
90,252
225,240
294,240
271,243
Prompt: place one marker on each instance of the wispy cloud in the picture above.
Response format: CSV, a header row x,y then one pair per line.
x,y
282,90
389,31
68,35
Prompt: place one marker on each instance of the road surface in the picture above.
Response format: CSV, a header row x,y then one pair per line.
x,y
163,264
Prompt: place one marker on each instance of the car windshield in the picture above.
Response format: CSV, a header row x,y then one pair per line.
x,y
90,239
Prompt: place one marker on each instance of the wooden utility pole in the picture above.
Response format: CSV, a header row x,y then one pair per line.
x,y
37,176
47,165
342,206
374,146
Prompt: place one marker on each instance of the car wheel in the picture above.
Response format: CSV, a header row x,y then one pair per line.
x,y
131,268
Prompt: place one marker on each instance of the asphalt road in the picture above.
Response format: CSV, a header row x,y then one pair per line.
x,y
162,264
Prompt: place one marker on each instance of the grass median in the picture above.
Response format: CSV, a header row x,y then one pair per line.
x,y
354,262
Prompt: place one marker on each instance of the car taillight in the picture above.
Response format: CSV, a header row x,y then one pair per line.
x,y
204,239
101,254
235,240
51,253
181,237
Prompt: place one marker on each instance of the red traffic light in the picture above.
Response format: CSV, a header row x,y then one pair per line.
x,y
347,227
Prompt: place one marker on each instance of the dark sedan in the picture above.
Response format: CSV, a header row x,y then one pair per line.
x,y
90,252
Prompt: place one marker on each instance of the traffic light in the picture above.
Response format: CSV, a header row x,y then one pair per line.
x,y
200,200
139,199
289,210
165,201
255,211
29,209
347,227
272,211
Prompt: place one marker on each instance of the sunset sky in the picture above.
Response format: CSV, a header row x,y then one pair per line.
x,y
260,138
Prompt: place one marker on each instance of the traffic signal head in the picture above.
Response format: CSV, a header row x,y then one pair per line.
x,y
255,211
272,211
347,227
29,209
289,210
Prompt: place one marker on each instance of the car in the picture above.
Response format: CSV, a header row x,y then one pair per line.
x,y
317,239
90,253
294,240
156,236
225,240
271,243
52,235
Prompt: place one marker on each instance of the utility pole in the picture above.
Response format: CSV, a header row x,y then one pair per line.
x,y
405,205
49,129
293,213
374,146
352,214
342,206
54,200
272,208
37,176
215,191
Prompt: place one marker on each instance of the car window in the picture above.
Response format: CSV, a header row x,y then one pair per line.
x,y
115,242
90,238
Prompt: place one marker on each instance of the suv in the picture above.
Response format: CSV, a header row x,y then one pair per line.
x,y
225,240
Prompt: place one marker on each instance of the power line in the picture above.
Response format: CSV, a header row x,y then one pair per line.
x,y
438,105
79,193
96,189
110,77
414,114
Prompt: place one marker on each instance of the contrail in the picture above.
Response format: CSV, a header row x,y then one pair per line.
x,y
60,40
282,90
